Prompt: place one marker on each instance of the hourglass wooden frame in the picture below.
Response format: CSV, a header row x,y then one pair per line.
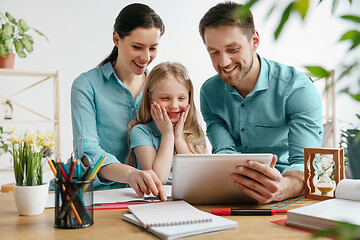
x,y
310,171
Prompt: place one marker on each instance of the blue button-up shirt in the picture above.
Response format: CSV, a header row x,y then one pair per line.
x,y
101,108
281,115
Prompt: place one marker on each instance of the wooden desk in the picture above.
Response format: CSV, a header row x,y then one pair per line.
x,y
108,224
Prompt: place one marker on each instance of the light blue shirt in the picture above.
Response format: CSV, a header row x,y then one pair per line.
x,y
281,115
101,108
146,135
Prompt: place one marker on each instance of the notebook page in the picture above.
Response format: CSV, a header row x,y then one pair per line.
x,y
168,213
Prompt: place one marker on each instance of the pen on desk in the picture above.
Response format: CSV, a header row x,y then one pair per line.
x,y
245,212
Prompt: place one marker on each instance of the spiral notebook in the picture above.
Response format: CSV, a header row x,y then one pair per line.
x,y
187,230
168,214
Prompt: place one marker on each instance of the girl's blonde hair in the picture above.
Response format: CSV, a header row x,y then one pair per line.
x,y
192,132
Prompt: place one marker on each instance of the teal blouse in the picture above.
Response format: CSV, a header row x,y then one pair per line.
x,y
101,109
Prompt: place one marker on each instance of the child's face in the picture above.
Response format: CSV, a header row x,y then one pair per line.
x,y
171,95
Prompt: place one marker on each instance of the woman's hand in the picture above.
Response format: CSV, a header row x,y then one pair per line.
x,y
146,181
179,126
162,120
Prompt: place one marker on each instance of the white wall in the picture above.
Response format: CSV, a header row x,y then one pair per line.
x,y
80,34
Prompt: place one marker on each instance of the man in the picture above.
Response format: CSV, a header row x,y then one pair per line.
x,y
254,105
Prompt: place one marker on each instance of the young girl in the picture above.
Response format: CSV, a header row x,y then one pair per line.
x,y
166,121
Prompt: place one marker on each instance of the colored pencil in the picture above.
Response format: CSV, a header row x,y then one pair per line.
x,y
72,167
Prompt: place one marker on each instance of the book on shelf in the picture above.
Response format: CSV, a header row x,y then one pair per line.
x,y
345,207
172,224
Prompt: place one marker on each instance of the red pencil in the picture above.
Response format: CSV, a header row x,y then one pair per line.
x,y
72,167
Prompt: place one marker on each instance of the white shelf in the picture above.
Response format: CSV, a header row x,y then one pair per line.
x,y
44,76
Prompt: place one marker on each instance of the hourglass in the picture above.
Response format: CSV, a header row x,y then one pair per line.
x,y
325,185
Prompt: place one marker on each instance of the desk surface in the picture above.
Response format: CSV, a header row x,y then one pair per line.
x,y
108,224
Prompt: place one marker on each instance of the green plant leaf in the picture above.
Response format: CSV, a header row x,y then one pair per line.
x,y
318,71
301,6
23,26
284,18
3,50
11,18
28,37
9,43
349,69
352,35
351,18
334,6
242,12
41,34
19,49
8,31
355,96
27,44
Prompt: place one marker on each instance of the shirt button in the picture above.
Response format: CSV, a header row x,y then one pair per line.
x,y
243,129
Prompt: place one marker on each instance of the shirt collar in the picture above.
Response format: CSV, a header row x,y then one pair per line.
x,y
107,70
263,79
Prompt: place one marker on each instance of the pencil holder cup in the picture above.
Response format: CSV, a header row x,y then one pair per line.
x,y
74,204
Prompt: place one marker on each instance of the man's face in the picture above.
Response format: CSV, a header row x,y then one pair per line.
x,y
231,52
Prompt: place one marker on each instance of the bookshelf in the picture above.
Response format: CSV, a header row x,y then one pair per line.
x,y
37,77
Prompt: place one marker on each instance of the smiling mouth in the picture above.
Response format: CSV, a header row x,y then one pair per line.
x,y
140,65
173,114
228,70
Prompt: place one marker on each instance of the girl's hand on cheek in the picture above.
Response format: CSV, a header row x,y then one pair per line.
x,y
161,118
179,127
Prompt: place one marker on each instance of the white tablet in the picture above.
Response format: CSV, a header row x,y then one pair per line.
x,y
206,178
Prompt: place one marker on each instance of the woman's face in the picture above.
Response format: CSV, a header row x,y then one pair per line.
x,y
171,95
137,50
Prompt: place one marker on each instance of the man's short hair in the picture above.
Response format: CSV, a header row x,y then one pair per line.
x,y
226,14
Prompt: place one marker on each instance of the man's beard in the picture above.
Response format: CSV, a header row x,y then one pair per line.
x,y
235,79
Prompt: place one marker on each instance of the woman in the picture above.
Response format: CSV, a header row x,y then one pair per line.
x,y
104,100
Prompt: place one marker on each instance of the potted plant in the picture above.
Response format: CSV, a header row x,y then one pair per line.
x,y
27,156
14,35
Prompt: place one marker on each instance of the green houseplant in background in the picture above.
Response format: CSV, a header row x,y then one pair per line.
x,y
27,154
14,35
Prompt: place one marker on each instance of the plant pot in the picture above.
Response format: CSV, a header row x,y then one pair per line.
x,y
8,61
31,200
